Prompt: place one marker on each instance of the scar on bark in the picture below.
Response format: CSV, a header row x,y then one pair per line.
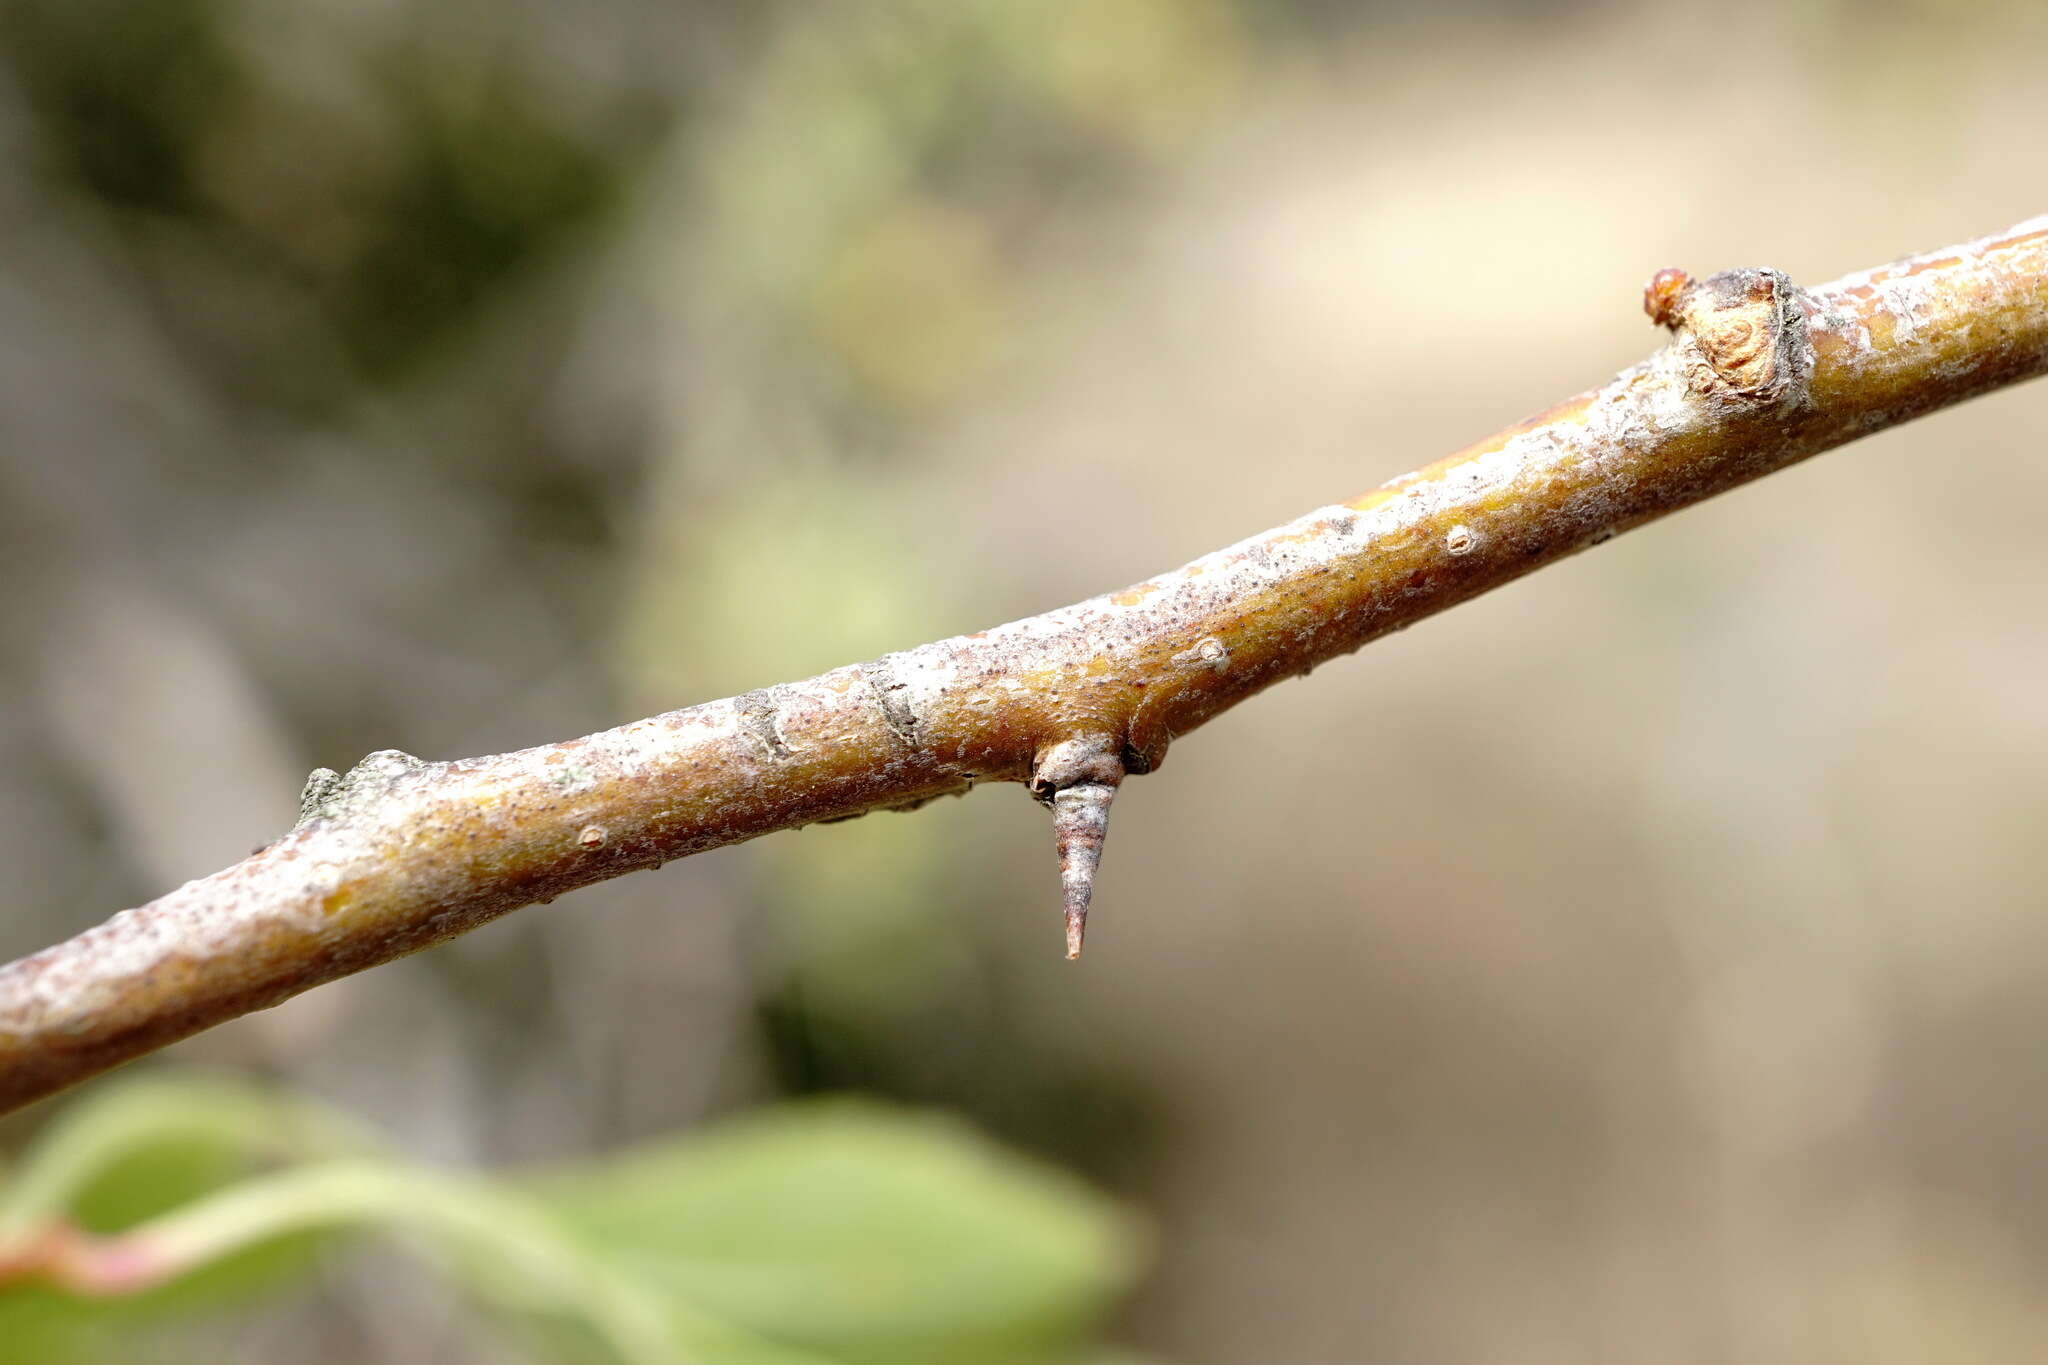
x,y
761,715
1748,327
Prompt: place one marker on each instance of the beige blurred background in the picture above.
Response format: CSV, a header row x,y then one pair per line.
x,y
1646,963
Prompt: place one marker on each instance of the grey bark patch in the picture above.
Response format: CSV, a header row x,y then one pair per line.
x,y
329,795
759,711
892,699
315,800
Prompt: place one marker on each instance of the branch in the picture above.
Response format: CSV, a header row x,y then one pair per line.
x,y
400,854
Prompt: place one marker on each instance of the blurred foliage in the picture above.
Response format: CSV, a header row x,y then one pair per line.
x,y
859,1232
134,1151
365,196
462,374
804,1233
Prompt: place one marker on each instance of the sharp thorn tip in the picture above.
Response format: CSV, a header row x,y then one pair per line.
x,y
1080,819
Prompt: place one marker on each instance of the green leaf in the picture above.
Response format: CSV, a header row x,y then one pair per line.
x,y
804,1235
127,1152
133,1148
860,1232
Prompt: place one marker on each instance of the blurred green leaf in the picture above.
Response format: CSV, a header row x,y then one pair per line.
x,y
133,1148
129,1152
861,1232
811,1233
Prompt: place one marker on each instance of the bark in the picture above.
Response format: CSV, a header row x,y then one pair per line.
x,y
400,854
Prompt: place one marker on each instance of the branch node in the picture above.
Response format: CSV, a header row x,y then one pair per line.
x,y
1746,328
328,795
1096,758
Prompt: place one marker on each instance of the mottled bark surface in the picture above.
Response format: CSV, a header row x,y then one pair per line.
x,y
400,854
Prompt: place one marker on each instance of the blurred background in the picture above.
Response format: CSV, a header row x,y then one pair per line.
x,y
1645,963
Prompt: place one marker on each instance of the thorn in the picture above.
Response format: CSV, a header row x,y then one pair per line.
x,y
1080,819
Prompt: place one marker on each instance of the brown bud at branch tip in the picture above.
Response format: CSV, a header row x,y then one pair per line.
x,y
1665,294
